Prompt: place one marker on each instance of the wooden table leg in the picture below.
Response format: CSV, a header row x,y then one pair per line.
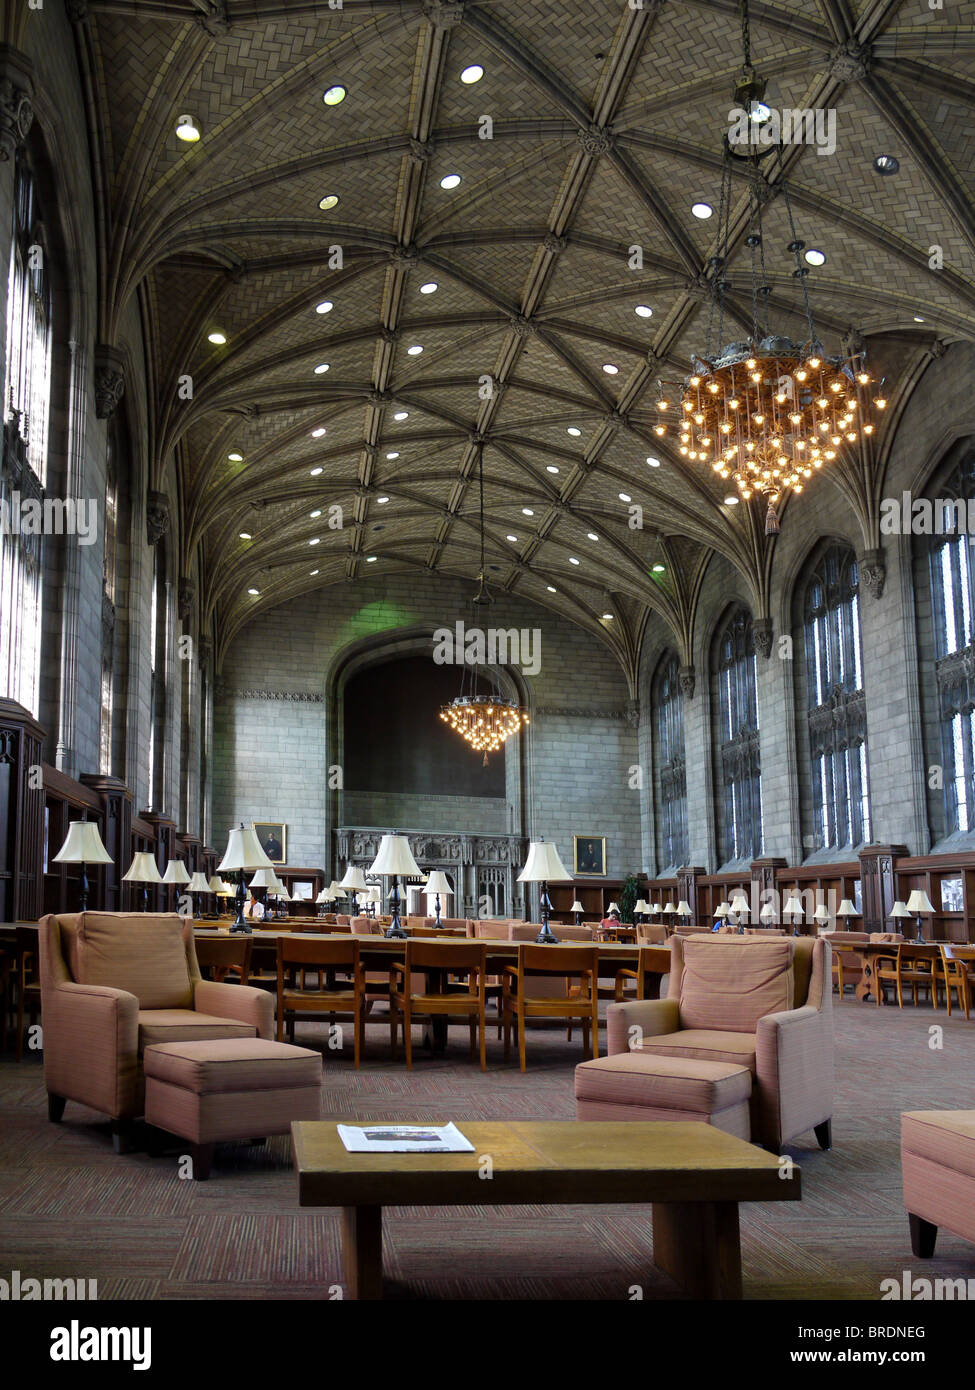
x,y
362,1251
698,1245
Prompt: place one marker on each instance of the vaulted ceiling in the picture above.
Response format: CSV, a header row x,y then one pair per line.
x,y
605,122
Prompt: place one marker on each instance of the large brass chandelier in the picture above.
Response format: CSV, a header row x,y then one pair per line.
x,y
767,412
485,719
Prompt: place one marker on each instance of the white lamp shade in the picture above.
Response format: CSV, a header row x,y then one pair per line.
x,y
83,845
216,883
355,880
394,857
543,864
721,910
244,851
613,907
653,908
142,869
684,908
264,878
670,907
282,893
226,890
176,872
198,883
919,902
821,914
793,906
739,904
638,906
438,883
325,896
578,907
767,913
898,910
846,909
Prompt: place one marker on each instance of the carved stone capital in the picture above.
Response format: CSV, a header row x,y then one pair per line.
x,y
938,348
405,257
205,648
380,397
186,599
109,380
16,100
157,516
654,359
850,61
631,713
554,244
762,636
687,678
854,343
389,335
214,21
108,620
596,140
523,325
77,11
873,572
421,150
443,14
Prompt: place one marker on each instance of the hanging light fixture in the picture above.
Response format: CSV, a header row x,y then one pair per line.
x,y
486,719
768,412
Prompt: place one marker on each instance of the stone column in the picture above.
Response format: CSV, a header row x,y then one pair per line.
x,y
74,484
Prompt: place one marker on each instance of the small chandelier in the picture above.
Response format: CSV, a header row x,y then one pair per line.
x,y
484,719
767,412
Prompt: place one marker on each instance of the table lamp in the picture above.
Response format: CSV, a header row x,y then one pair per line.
x,y
354,882
767,914
668,909
640,910
738,908
144,870
899,911
921,904
374,897
324,899
198,884
243,853
613,907
268,880
543,867
720,912
282,895
577,911
821,915
395,858
83,845
847,909
684,909
438,883
176,874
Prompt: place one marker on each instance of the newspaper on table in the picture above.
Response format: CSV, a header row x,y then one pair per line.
x,y
404,1139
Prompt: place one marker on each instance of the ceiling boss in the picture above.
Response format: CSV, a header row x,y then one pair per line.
x,y
766,411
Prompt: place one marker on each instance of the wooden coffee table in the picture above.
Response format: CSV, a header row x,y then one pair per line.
x,y
693,1174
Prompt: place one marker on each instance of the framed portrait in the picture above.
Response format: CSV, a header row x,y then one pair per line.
x,y
273,837
589,856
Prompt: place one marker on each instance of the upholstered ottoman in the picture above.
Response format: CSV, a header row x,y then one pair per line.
x,y
938,1167
229,1088
641,1086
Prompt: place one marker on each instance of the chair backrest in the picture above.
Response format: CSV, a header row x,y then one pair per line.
x,y
453,955
444,931
558,960
843,938
885,936
343,919
223,953
911,953
364,926
150,955
651,933
298,950
528,931
749,965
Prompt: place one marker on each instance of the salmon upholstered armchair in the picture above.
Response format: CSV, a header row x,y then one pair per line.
x,y
767,1005
114,983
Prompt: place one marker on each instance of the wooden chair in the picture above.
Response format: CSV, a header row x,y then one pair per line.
x,y
442,932
467,959
26,981
220,956
577,965
957,974
333,996
647,980
908,964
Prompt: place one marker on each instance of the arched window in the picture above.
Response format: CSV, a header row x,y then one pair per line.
x,y
26,397
950,566
739,772
667,703
835,710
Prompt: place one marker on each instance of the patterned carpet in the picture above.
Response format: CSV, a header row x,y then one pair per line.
x,y
70,1207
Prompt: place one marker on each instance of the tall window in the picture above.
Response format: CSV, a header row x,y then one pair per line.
x,y
671,784
835,708
27,390
951,565
158,619
739,777
109,600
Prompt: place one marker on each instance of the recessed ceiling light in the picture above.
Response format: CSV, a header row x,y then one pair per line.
x,y
815,257
315,541
217,337
414,351
886,164
731,501
316,512
624,497
702,210
574,561
551,468
660,569
527,511
187,129
652,462
246,536
402,415
253,591
392,456
472,74
325,307
610,369
550,589
381,501
235,457
644,311
315,472
321,368
607,617
511,538
317,434
313,573
370,559
328,202
429,288
333,95
592,535
450,181
573,431
918,318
